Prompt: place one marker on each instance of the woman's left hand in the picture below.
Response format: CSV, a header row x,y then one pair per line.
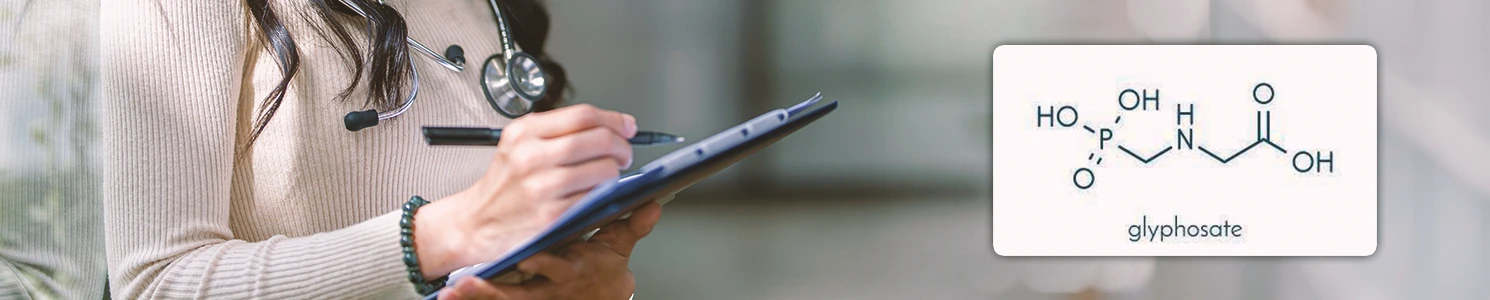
x,y
594,269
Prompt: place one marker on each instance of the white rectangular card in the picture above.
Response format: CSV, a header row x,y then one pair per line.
x,y
1184,150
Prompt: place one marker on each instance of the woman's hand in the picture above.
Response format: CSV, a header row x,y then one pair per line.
x,y
594,269
544,163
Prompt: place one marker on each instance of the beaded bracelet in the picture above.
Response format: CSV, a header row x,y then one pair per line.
x,y
406,239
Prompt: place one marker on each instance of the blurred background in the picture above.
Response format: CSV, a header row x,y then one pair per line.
x,y
51,239
838,211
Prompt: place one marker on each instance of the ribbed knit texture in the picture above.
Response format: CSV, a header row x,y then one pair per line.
x,y
310,211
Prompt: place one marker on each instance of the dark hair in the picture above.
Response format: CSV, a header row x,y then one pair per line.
x,y
387,59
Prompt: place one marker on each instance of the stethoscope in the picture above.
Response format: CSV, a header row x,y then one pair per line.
x,y
512,80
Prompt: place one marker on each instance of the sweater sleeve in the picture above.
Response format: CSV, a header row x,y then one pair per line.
x,y
171,78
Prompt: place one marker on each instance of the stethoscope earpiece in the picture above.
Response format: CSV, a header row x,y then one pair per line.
x,y
455,54
358,120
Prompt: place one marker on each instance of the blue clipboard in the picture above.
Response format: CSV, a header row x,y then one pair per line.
x,y
665,176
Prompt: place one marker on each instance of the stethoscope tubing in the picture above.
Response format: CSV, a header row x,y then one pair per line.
x,y
440,59
408,102
358,120
413,71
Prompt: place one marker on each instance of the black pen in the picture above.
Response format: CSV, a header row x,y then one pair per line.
x,y
477,136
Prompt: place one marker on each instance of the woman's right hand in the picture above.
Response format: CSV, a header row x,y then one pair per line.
x,y
545,162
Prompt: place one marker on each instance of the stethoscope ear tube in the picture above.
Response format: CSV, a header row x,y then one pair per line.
x,y
359,120
523,79
453,62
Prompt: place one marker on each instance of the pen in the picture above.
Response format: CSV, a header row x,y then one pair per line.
x,y
477,136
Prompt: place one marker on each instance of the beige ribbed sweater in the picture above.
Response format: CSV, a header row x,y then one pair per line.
x,y
311,210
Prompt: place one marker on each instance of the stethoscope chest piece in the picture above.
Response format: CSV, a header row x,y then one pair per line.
x,y
513,84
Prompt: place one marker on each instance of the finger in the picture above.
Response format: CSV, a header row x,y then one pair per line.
x,y
622,236
644,218
450,293
568,150
533,290
593,143
567,181
553,267
473,288
574,118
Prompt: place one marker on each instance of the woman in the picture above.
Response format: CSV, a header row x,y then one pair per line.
x,y
231,173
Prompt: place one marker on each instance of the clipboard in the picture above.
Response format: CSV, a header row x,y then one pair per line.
x,y
663,177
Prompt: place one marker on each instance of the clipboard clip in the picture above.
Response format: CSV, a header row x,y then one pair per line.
x,y
792,111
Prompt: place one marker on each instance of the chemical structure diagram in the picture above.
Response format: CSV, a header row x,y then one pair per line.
x,y
1130,100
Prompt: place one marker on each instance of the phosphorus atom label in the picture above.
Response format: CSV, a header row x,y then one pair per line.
x,y
1184,150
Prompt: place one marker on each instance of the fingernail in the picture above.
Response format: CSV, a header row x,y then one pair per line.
x,y
628,163
630,125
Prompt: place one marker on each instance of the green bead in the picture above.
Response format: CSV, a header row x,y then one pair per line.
x,y
406,240
406,231
406,222
409,258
